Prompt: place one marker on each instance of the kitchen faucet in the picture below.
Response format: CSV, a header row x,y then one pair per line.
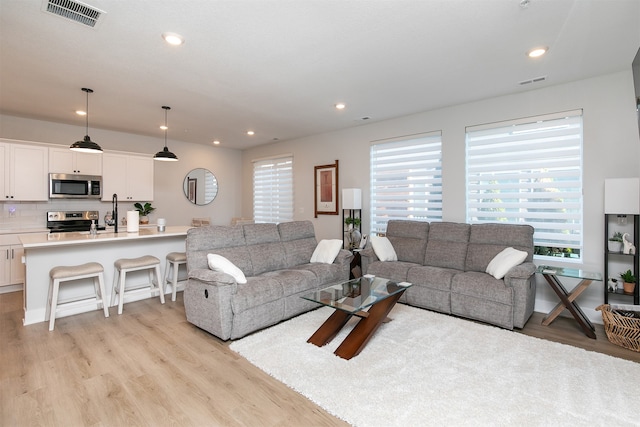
x,y
114,208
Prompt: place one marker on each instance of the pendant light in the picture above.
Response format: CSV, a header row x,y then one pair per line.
x,y
86,145
165,155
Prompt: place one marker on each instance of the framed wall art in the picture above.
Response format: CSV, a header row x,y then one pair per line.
x,y
192,187
326,189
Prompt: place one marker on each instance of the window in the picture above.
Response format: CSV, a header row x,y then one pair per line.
x,y
529,172
406,180
273,190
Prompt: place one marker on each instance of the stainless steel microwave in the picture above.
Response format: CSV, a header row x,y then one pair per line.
x,y
68,186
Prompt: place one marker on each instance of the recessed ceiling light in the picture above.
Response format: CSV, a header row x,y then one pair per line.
x,y
81,113
537,52
216,142
163,127
173,39
340,106
251,132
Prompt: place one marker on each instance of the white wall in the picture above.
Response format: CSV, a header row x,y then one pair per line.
x,y
169,198
611,149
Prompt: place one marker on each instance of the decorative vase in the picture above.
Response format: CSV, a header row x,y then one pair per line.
x,y
628,287
614,246
144,219
354,238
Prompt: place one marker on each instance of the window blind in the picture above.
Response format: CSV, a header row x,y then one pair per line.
x,y
406,180
529,173
273,190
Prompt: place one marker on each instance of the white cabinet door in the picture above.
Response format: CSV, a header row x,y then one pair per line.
x,y
140,178
17,267
88,163
63,160
130,177
114,176
4,174
5,265
28,177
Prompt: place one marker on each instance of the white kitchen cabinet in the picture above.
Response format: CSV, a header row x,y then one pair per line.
x,y
63,160
128,176
12,271
24,174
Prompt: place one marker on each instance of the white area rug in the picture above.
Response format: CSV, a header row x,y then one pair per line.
x,y
426,369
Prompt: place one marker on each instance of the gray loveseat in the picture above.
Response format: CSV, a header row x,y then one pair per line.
x,y
446,263
274,259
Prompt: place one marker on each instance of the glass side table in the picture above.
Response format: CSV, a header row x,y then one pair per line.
x,y
567,299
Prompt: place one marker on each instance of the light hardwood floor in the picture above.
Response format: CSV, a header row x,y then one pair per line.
x,y
149,366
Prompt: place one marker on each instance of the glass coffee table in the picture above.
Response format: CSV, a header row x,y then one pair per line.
x,y
353,298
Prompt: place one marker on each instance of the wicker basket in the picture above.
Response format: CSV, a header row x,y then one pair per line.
x,y
621,330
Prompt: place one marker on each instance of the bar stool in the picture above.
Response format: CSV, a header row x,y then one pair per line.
x,y
174,261
127,265
62,274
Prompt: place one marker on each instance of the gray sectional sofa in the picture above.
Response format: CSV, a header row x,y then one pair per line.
x,y
446,263
274,259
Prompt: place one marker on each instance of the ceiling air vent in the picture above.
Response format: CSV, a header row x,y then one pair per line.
x,y
74,11
534,80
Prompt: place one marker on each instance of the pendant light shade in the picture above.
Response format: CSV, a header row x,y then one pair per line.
x,y
86,145
165,155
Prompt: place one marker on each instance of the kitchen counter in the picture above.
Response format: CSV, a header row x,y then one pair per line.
x,y
43,251
43,240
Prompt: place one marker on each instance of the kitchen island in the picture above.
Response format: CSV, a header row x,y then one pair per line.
x,y
43,251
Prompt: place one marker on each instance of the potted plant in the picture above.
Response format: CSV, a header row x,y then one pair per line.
x,y
355,222
144,211
629,281
615,242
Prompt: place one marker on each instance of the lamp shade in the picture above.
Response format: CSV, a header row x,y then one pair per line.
x,y
351,198
622,196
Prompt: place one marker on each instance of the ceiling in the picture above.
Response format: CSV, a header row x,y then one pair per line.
x,y
278,67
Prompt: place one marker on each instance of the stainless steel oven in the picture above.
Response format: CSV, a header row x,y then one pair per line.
x,y
64,222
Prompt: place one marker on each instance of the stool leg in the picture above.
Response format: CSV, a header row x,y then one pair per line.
x,y
114,288
165,274
100,280
123,276
176,267
161,285
54,304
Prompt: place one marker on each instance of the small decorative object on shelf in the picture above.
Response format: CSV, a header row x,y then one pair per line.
x,y
629,249
615,242
628,282
144,211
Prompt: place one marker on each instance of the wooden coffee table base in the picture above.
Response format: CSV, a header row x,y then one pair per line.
x,y
361,333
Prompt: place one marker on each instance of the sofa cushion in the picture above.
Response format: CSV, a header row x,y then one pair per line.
x,y
447,245
326,251
432,277
409,239
482,286
326,273
299,241
383,248
238,255
396,270
488,240
293,281
257,291
202,241
264,247
220,263
505,261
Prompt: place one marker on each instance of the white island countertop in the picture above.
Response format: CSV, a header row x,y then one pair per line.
x,y
44,240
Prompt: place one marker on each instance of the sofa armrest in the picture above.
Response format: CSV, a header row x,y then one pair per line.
x,y
522,271
344,257
214,278
367,256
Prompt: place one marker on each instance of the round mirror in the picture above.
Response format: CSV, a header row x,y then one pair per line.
x,y
200,186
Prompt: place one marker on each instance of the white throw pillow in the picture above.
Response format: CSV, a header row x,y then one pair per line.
x,y
220,263
505,261
383,248
326,251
